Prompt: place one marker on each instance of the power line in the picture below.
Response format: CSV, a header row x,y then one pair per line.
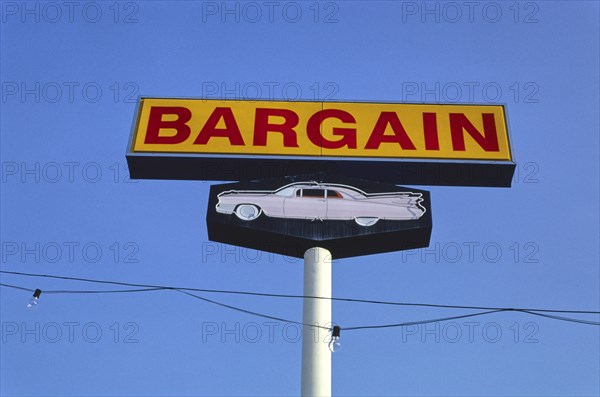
x,y
574,320
253,313
379,302
257,314
236,308
437,320
16,287
87,291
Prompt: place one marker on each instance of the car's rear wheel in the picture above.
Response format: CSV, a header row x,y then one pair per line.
x,y
247,212
366,221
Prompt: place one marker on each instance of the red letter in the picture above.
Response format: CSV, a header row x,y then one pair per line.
x,y
262,126
488,140
378,135
231,130
430,131
313,129
155,123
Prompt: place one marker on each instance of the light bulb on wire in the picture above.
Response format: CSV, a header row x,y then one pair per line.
x,y
334,342
33,302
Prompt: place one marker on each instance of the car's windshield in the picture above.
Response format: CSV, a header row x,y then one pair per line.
x,y
285,192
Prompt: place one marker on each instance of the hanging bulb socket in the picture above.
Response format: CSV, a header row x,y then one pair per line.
x,y
335,333
33,302
334,342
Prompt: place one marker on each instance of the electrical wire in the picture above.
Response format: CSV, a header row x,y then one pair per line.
x,y
16,287
236,308
437,320
257,314
574,320
254,313
159,287
86,291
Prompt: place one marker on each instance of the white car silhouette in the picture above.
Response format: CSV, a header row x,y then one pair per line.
x,y
323,201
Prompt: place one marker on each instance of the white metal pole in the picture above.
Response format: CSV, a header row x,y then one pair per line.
x,y
316,356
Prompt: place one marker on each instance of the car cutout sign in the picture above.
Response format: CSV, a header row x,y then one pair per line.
x,y
321,201
349,217
391,142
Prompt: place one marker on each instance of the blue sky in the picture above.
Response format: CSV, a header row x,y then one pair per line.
x,y
70,77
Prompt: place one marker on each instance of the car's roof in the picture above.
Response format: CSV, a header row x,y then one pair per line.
x,y
340,187
317,185
323,185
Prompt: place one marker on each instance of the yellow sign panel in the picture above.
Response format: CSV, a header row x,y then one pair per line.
x,y
327,129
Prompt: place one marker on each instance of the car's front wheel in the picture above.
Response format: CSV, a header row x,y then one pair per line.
x,y
366,221
247,212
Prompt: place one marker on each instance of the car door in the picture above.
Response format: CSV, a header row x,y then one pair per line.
x,y
337,206
306,203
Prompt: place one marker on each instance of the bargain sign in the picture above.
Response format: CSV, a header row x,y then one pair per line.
x,y
319,135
